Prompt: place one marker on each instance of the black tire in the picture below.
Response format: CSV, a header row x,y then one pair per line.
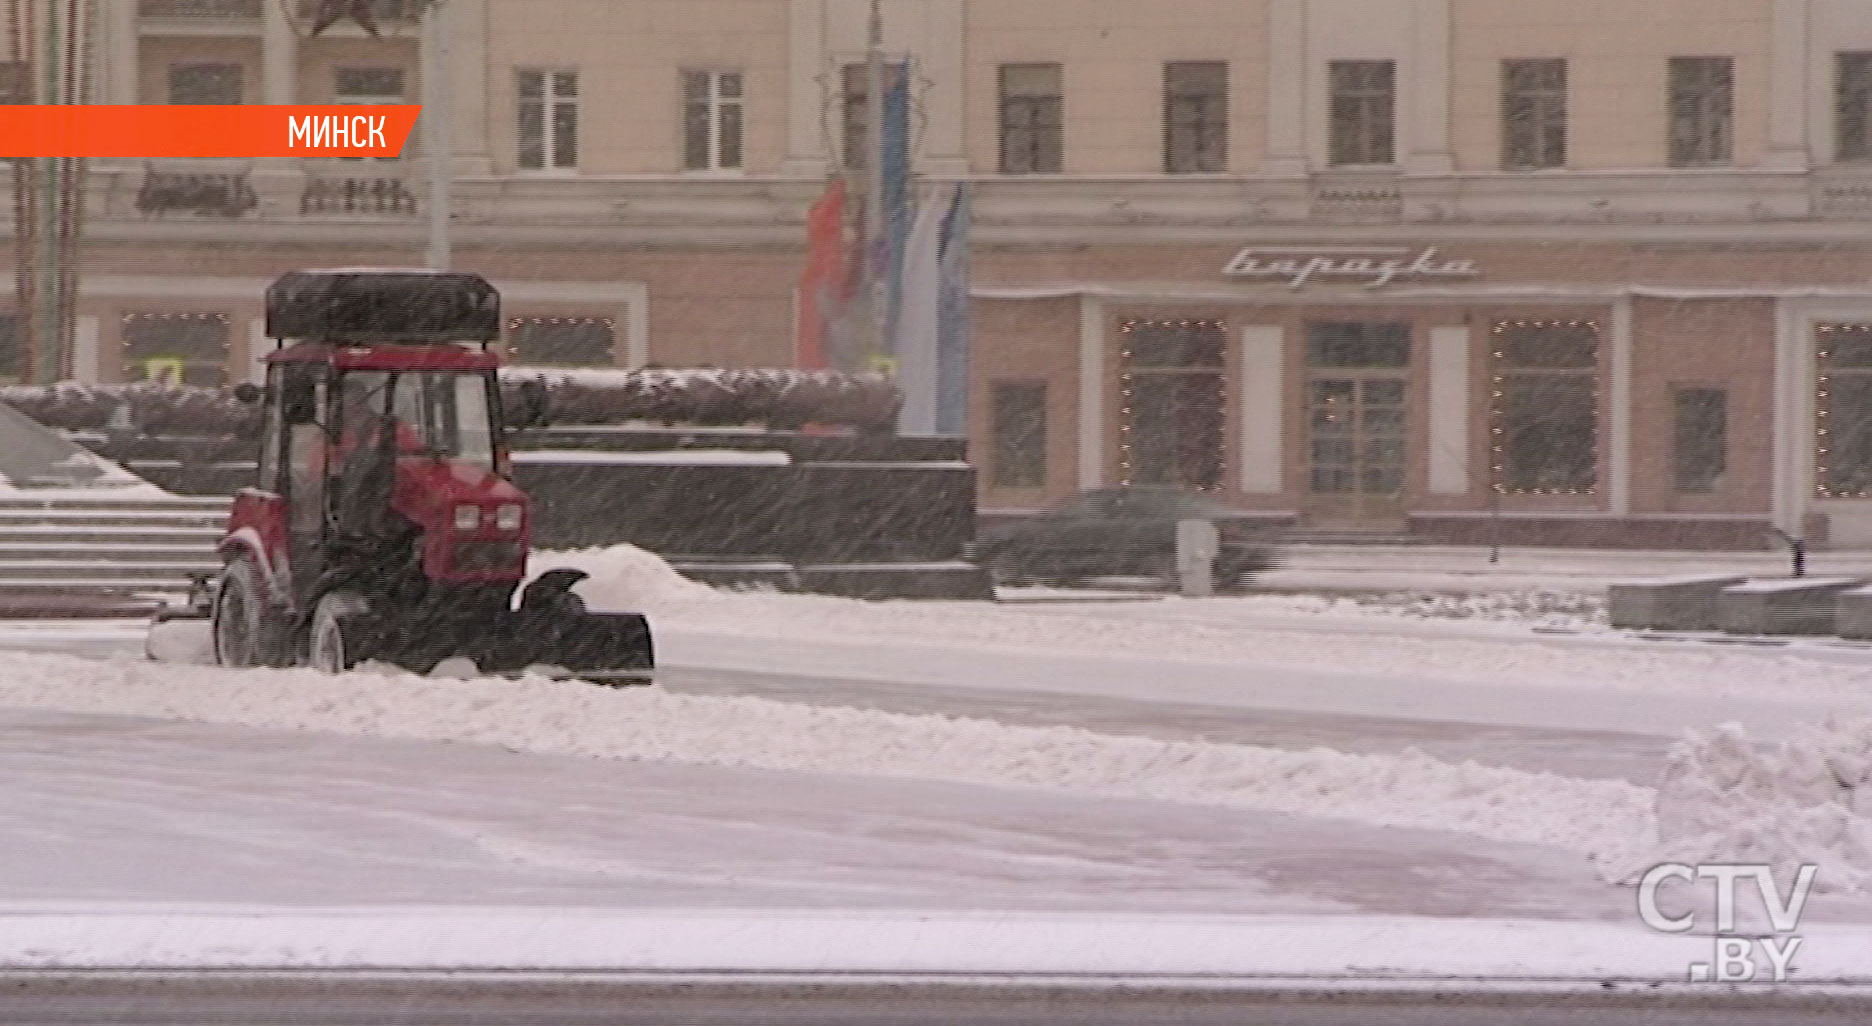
x,y
248,630
332,643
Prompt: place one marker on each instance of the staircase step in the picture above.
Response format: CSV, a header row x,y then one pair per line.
x,y
92,552
54,537
181,504
10,519
12,570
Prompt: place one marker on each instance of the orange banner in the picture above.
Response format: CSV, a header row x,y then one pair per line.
x,y
154,132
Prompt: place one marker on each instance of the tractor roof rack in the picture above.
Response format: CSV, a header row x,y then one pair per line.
x,y
389,305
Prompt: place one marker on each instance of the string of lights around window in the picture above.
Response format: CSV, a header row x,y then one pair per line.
x,y
515,323
1823,392
1127,381
1498,413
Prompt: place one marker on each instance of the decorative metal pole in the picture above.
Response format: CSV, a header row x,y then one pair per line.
x,y
52,46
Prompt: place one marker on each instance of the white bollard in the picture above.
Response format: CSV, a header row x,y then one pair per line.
x,y
1197,545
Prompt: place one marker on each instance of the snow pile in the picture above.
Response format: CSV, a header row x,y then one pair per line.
x,y
1806,800
624,577
1536,607
1598,818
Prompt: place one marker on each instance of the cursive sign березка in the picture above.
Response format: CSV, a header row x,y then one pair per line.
x,y
1380,265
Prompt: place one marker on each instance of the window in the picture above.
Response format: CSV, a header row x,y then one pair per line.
x,y
1702,114
1196,117
16,84
1843,449
1020,427
205,83
563,341
368,87
712,120
1701,433
1853,107
1364,112
178,349
548,120
1546,411
1172,403
857,96
12,350
1346,344
1031,127
1534,114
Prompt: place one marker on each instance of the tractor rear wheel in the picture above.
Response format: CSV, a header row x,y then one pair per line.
x,y
247,631
333,648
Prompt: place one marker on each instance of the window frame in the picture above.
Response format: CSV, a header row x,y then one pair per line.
x,y
344,99
1547,116
1033,459
551,104
1718,474
1690,110
175,68
714,104
1374,106
1209,151
1506,374
1044,117
1852,147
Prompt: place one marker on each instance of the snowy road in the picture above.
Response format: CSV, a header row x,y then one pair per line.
x,y
1264,757
526,1000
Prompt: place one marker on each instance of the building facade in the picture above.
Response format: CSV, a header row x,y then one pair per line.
x,y
1539,270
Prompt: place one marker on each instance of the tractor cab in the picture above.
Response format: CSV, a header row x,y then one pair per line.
x,y
385,524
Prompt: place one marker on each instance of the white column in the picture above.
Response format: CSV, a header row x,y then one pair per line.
x,y
279,182
806,89
1091,392
944,151
1788,69
1794,440
468,92
1449,410
1429,84
1261,452
279,56
1286,92
120,35
85,350
1617,457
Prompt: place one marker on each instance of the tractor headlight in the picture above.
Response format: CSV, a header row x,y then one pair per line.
x,y
467,518
507,518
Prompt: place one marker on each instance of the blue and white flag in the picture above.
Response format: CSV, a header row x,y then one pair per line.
x,y
952,332
919,323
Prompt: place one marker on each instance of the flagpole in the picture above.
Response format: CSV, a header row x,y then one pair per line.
x,y
875,308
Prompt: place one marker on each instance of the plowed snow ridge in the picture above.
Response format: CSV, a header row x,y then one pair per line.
x,y
1609,820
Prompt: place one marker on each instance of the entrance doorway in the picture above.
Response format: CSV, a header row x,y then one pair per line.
x,y
1358,415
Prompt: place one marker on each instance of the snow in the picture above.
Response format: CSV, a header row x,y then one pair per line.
x,y
1804,800
673,457
1593,818
887,942
1788,585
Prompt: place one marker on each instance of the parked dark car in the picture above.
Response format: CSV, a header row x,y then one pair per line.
x,y
1123,532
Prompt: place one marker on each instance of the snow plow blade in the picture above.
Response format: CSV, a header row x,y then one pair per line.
x,y
604,648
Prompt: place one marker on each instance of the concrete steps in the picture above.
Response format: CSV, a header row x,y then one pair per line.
x,y
78,552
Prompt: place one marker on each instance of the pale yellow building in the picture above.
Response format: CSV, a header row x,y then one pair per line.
x,y
1622,229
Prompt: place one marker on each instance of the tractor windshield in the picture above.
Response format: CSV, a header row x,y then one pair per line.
x,y
445,414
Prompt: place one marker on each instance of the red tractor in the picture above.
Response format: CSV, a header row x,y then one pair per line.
x,y
385,525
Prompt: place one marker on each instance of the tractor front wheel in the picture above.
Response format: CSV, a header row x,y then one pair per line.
x,y
333,644
247,632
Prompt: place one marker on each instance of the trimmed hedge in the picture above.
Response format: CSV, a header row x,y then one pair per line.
x,y
780,399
